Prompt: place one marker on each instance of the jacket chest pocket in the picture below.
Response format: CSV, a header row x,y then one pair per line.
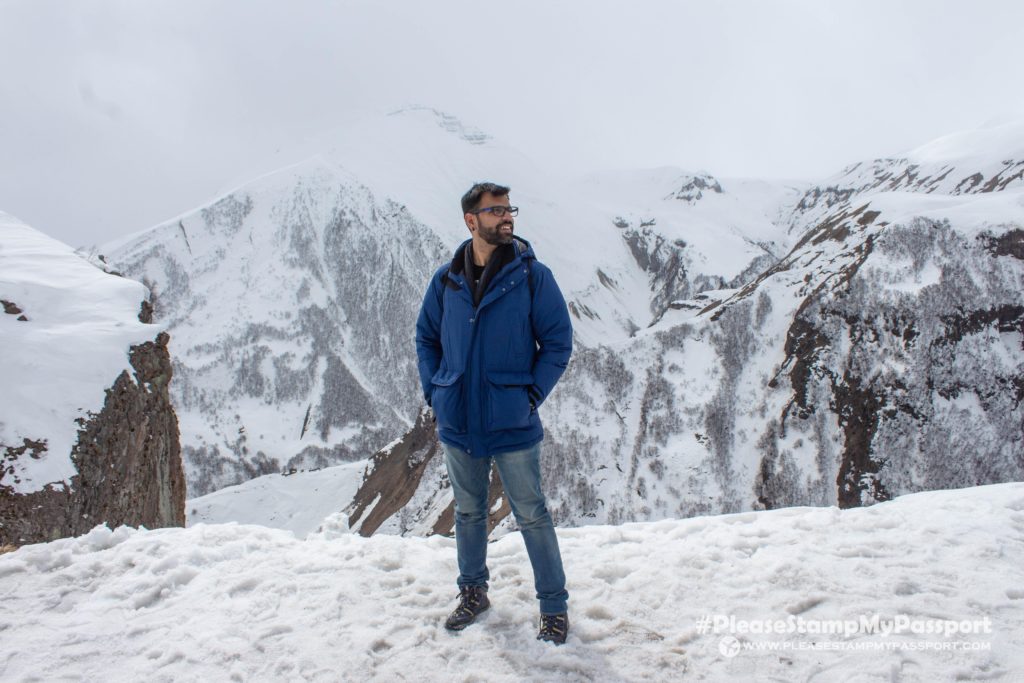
x,y
448,400
509,401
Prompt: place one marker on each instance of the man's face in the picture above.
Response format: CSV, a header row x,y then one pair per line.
x,y
491,229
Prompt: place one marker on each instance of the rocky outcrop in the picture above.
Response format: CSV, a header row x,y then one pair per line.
x,y
692,188
665,264
925,385
127,457
394,477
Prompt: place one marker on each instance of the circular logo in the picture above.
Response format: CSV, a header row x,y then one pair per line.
x,y
729,646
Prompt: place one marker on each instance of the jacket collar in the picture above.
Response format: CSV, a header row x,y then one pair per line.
x,y
521,249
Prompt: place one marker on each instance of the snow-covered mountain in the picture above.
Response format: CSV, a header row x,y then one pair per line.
x,y
275,296
661,601
739,344
290,300
87,431
882,354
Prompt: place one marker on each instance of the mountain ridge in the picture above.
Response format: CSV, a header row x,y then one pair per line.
x,y
719,363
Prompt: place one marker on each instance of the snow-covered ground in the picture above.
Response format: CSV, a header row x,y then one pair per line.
x,y
247,603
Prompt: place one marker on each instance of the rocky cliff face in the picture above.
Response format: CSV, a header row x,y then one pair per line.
x,y
87,431
405,486
920,367
127,457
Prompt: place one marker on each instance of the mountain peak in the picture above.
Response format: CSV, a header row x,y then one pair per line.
x,y
446,121
692,187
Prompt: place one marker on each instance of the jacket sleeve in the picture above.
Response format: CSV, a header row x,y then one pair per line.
x,y
428,334
552,329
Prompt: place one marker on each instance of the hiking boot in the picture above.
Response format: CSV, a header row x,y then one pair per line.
x,y
554,628
472,601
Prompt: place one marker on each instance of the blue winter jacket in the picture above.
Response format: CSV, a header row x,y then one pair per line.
x,y
484,369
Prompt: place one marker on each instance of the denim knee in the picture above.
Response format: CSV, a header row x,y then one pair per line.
x,y
474,517
534,518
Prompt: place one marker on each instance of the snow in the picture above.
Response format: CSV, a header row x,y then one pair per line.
x,y
901,277
237,280
969,214
242,602
974,147
425,159
615,241
57,364
298,502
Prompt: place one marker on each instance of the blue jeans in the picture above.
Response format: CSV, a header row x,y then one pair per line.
x,y
520,477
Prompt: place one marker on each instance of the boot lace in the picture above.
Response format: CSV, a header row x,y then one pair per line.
x,y
552,625
469,600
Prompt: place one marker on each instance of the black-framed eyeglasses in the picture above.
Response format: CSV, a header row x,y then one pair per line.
x,y
498,211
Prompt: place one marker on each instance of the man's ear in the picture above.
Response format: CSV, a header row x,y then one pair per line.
x,y
470,221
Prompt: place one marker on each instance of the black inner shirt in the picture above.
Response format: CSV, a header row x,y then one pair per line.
x,y
481,276
478,272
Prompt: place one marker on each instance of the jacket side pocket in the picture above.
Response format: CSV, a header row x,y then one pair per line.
x,y
448,400
509,401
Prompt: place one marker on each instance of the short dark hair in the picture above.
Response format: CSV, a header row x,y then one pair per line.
x,y
471,200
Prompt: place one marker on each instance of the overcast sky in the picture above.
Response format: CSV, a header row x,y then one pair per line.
x,y
115,116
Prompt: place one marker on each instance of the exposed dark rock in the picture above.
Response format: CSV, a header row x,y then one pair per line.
x,y
33,448
605,280
146,312
969,183
1007,318
858,408
848,354
128,460
829,196
579,310
1010,243
1012,172
693,188
803,342
778,479
664,262
395,473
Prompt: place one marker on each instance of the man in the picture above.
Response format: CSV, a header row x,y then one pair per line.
x,y
493,337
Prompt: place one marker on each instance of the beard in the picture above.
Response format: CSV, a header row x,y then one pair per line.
x,y
494,236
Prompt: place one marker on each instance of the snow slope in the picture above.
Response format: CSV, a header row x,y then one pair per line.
x,y
80,323
237,602
298,502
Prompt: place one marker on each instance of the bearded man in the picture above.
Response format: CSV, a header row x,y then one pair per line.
x,y
493,337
